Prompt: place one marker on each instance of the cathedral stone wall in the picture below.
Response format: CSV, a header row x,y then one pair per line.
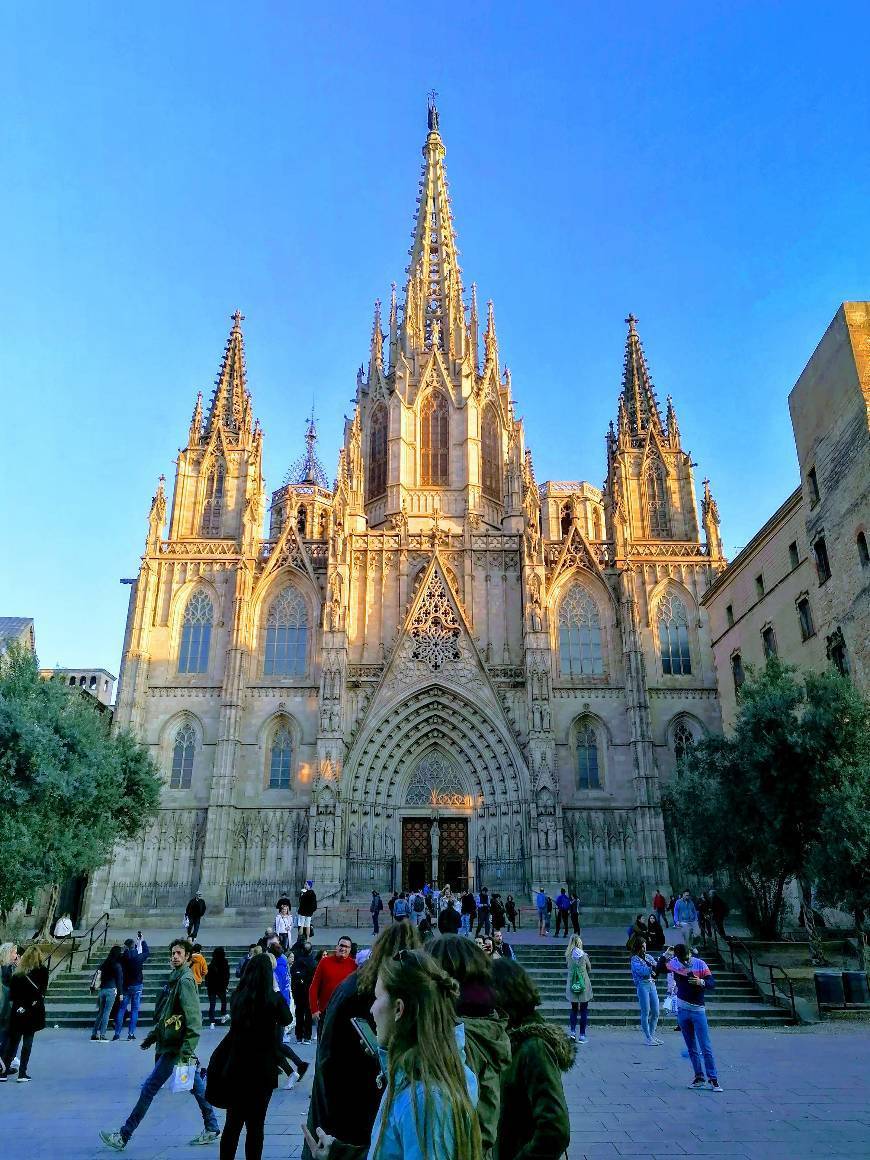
x,y
436,668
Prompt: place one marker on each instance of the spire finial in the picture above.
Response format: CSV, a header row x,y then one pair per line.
x,y
432,97
238,318
632,324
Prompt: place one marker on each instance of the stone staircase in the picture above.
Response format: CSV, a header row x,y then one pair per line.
x,y
734,1002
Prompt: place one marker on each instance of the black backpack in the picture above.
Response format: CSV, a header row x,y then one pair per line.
x,y
419,904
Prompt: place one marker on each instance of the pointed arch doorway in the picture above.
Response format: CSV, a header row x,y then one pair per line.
x,y
435,825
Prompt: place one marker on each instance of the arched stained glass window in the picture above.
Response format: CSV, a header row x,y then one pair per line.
x,y
490,452
182,757
213,507
286,653
656,488
377,474
196,634
280,758
434,441
588,776
580,635
674,637
684,739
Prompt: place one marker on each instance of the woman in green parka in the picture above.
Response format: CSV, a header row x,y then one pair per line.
x,y
487,1047
533,1124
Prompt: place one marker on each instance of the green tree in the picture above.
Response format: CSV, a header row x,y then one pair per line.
x,y
755,804
70,787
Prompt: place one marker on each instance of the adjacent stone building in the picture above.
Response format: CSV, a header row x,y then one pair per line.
x,y
801,587
438,668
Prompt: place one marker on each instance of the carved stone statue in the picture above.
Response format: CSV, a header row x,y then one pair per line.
x,y
435,837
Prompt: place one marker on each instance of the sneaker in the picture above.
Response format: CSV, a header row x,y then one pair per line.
x,y
130,1038
572,1035
4,1077
23,1077
95,1039
715,1086
697,1083
581,1039
115,1038
206,1136
302,1070
292,1081
114,1140
657,1042
212,1025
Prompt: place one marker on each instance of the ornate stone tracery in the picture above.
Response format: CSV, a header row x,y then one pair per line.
x,y
435,782
435,629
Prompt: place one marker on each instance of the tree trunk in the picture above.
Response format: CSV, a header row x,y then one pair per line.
x,y
44,932
817,949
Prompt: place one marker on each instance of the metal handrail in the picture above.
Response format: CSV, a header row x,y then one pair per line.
x,y
72,945
69,948
733,941
93,935
771,967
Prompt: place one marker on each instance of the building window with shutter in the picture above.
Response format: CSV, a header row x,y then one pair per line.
x,y
805,617
823,567
768,641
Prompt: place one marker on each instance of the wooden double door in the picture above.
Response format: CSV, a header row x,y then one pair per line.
x,y
452,865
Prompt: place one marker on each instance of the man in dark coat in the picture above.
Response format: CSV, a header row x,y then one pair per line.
x,y
193,912
449,921
301,974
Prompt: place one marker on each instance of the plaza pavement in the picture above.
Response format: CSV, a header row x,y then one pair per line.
x,y
789,1094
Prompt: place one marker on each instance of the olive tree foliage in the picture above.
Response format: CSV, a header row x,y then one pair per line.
x,y
767,803
70,788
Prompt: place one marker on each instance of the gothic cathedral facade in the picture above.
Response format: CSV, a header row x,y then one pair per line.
x,y
439,667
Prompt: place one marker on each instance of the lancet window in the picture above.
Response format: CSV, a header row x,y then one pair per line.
x,y
684,739
183,751
657,500
377,474
286,646
588,775
674,637
490,451
213,507
196,634
434,441
580,652
280,758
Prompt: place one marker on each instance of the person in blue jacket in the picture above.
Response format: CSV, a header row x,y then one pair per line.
x,y
427,1111
133,958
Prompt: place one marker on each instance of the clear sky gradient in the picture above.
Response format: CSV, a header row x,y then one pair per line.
x,y
704,166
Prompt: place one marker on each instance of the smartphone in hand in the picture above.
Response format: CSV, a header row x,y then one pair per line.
x,y
367,1037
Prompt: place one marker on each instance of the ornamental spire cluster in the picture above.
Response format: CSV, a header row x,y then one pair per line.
x,y
307,469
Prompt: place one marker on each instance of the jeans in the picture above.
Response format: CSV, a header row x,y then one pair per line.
x,y
648,999
662,917
250,1111
163,1068
693,1024
104,1008
213,997
465,923
542,917
584,1016
483,919
687,930
10,1049
132,999
375,922
561,920
193,929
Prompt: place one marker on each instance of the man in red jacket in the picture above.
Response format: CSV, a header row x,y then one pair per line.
x,y
331,970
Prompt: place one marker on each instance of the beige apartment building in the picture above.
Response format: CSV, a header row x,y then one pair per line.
x,y
801,586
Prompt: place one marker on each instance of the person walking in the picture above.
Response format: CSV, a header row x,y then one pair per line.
x,y
548,914
401,909
284,924
719,909
198,965
534,1116
133,959
301,973
541,905
111,988
468,912
243,1070
693,979
483,912
578,987
217,983
563,906
306,908
330,971
428,1106
193,912
175,1035
487,1047
574,912
643,975
417,907
659,905
510,911
375,907
499,913
705,917
8,961
686,917
290,1063
27,986
345,1091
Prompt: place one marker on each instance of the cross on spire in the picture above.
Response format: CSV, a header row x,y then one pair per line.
x,y
432,97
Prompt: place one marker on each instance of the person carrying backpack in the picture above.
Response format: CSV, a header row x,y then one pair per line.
x,y
418,907
401,910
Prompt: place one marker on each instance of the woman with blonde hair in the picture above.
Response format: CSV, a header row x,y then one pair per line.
x,y
578,986
27,988
427,1111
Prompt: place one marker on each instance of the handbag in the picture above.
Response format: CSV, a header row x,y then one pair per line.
x,y
182,1076
217,1087
185,922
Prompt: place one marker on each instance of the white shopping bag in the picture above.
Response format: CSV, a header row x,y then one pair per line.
x,y
182,1077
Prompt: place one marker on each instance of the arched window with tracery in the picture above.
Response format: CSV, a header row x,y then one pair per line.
x,y
434,440
196,634
183,750
580,635
673,621
684,740
213,505
280,757
588,765
377,473
286,646
655,485
490,452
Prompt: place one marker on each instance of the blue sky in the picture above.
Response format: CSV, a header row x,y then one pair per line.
x,y
702,166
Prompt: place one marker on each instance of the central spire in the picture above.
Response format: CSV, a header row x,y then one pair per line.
x,y
434,314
